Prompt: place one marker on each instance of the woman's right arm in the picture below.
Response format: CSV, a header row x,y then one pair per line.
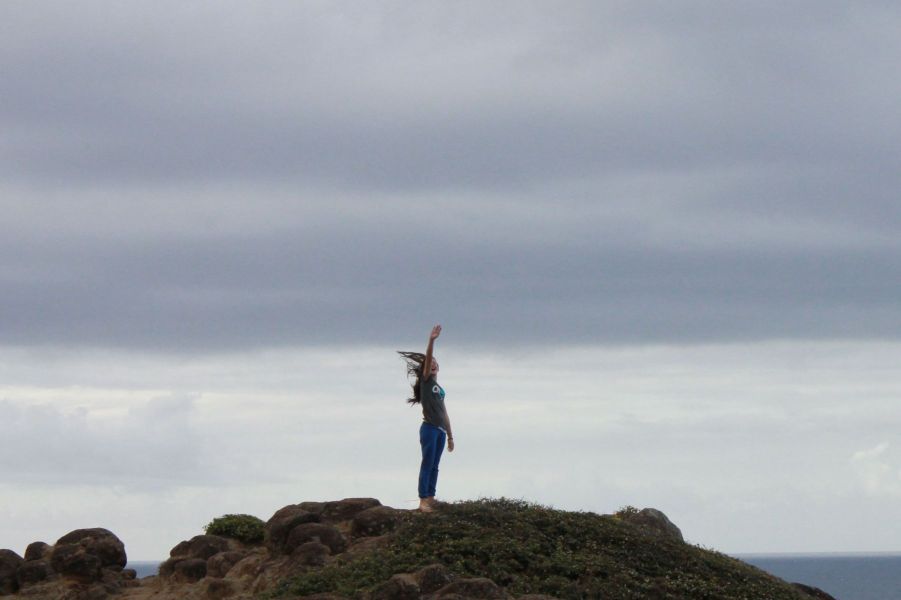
x,y
427,364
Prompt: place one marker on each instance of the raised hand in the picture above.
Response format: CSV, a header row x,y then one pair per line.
x,y
436,331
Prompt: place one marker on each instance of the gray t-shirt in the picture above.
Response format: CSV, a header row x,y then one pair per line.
x,y
431,396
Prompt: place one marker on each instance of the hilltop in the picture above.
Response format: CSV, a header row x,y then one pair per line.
x,y
357,548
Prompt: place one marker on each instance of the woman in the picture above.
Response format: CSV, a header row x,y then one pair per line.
x,y
436,425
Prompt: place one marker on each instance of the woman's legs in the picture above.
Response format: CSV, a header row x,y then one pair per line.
x,y
433,476
432,441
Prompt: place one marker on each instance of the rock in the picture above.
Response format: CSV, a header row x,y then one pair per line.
x,y
37,551
313,507
33,571
220,588
316,532
247,567
476,587
200,546
399,587
432,578
181,549
73,560
167,567
654,520
346,509
813,592
9,565
536,597
111,577
312,554
219,564
129,574
190,570
279,526
98,542
376,520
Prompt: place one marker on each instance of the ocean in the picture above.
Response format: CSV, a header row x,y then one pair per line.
x,y
847,577
144,568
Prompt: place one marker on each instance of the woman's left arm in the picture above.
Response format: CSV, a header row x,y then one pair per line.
x,y
450,433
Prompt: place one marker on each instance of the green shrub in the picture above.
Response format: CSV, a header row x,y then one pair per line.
x,y
625,512
245,528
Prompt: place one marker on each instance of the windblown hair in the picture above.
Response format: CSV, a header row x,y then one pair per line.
x,y
414,362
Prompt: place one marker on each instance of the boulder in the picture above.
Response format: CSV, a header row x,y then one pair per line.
x,y
200,546
9,565
167,567
98,542
33,571
432,578
181,549
376,520
279,526
248,567
219,564
346,509
37,551
399,587
316,532
313,507
476,587
112,578
654,520
190,570
73,560
312,554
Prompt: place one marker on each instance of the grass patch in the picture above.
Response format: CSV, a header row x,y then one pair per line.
x,y
529,548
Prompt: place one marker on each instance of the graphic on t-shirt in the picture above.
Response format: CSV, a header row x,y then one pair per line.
x,y
437,389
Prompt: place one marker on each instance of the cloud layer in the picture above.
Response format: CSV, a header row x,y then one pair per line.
x,y
748,448
208,178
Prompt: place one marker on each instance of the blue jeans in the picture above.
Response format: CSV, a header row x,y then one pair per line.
x,y
432,441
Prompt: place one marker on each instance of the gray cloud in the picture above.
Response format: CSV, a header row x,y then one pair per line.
x,y
420,96
209,177
229,293
153,445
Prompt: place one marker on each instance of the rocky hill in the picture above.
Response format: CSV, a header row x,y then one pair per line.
x,y
357,548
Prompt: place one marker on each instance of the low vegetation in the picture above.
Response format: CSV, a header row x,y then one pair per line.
x,y
529,548
246,528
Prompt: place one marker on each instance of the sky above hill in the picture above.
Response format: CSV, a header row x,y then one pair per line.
x,y
661,238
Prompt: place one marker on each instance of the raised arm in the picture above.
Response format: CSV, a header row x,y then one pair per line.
x,y
427,364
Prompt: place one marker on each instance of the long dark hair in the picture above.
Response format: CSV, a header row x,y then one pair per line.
x,y
414,362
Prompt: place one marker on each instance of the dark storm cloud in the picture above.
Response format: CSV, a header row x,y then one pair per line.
x,y
229,294
528,172
413,97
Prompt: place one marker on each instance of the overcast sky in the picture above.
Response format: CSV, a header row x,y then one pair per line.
x,y
661,237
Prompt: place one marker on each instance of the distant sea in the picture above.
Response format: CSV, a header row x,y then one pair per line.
x,y
844,576
144,568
